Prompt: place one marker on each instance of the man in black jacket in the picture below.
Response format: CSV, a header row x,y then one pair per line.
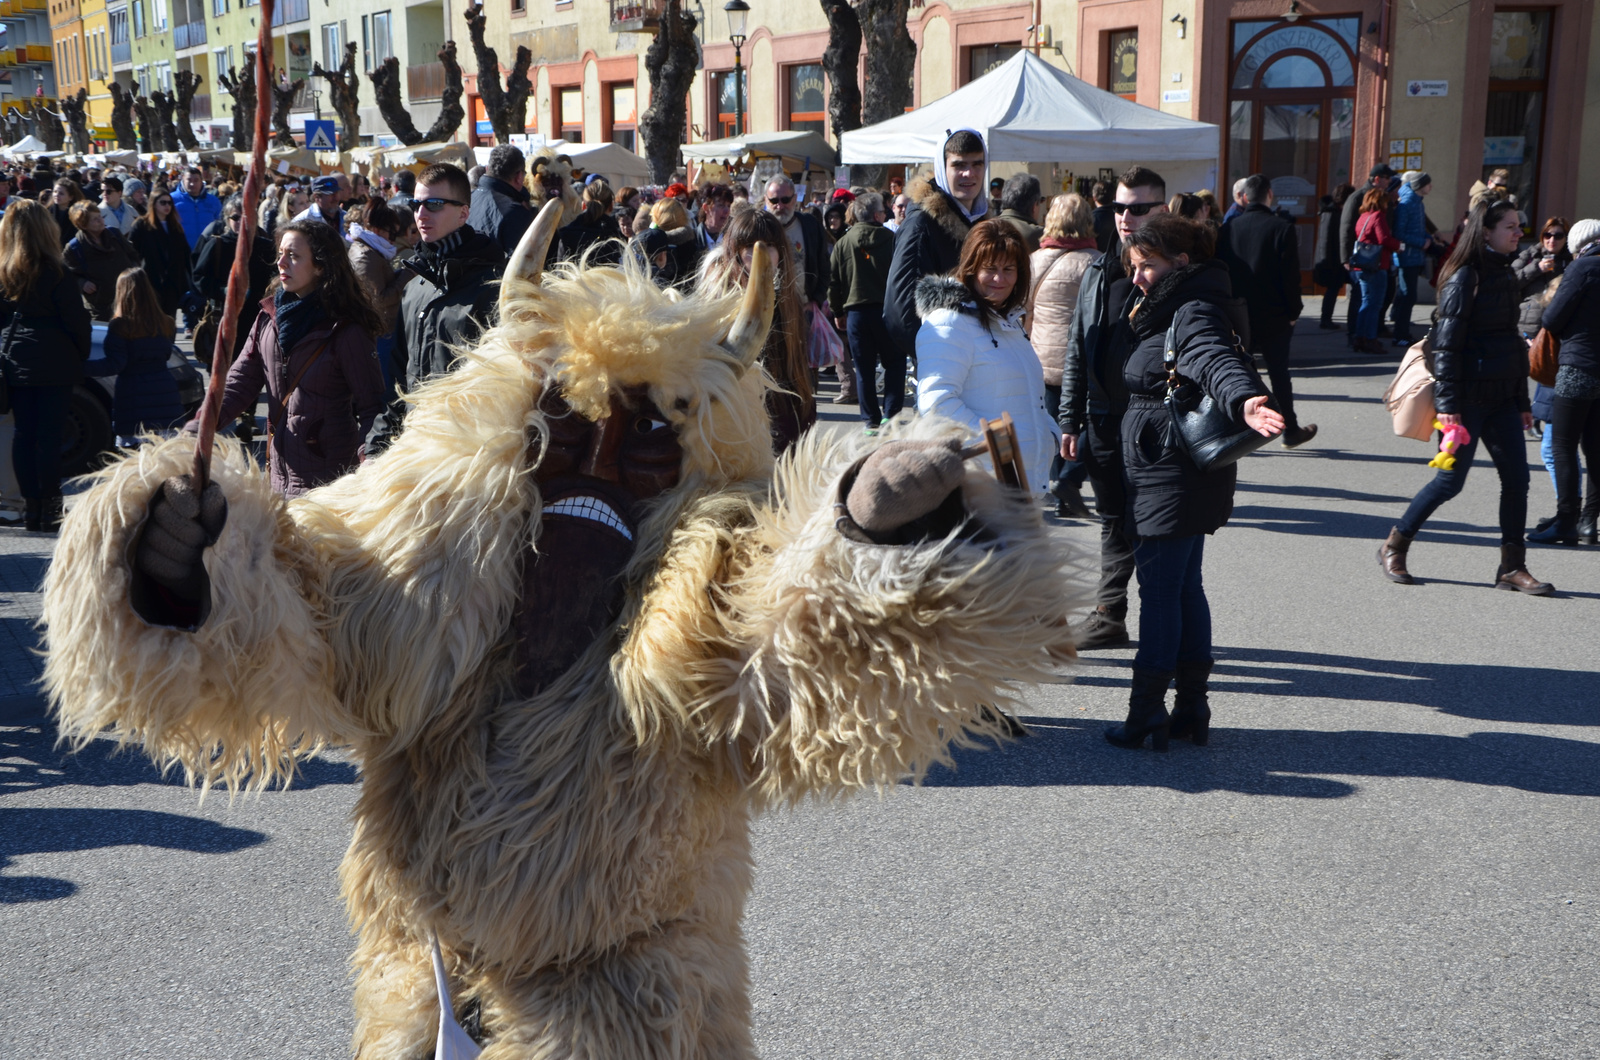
x,y
1094,399
500,207
451,299
928,243
1263,256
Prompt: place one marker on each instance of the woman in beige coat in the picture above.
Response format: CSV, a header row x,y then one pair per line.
x,y
1064,253
373,255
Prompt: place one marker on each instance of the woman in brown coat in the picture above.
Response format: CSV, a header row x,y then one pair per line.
x,y
373,249
1064,254
312,349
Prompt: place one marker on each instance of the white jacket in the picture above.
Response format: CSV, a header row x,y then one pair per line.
x,y
970,373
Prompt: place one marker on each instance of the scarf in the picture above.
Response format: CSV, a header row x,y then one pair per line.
x,y
296,317
373,240
941,177
1069,243
437,252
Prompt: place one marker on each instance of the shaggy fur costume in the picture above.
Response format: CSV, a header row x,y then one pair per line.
x,y
582,855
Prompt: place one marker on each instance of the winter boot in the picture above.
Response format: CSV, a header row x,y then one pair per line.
x,y
1147,712
30,515
1191,711
1563,530
1104,628
50,514
1513,573
1587,534
1392,557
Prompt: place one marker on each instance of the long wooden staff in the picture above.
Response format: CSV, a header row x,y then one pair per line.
x,y
239,275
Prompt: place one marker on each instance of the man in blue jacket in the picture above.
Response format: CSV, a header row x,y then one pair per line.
x,y
197,205
1411,229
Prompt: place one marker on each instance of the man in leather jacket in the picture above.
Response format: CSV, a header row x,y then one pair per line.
x,y
1094,398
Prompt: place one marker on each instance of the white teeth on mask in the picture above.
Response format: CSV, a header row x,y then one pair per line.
x,y
588,507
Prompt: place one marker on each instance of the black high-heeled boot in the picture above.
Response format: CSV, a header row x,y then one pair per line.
x,y
1191,710
50,514
1147,712
31,512
1587,519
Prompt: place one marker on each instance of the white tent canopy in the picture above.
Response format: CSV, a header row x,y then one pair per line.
x,y
1029,111
798,150
29,145
613,161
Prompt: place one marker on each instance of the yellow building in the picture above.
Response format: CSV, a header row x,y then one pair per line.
x,y
96,38
66,43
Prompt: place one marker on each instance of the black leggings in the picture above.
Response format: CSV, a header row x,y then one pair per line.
x,y
1576,423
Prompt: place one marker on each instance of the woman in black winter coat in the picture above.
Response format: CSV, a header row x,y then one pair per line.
x,y
159,239
138,344
1329,272
97,255
1171,504
47,329
1573,316
1480,383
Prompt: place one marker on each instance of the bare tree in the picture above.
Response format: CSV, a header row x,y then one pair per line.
x,y
147,125
670,61
186,83
507,107
165,105
77,119
242,88
122,118
386,86
283,93
840,61
344,90
891,58
47,125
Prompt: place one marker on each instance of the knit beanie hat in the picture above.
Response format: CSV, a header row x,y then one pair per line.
x,y
1418,179
1582,234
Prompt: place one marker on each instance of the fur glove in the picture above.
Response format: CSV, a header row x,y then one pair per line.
x,y
180,527
902,482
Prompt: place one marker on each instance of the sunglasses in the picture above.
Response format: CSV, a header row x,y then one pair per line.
x,y
1138,209
435,205
1555,235
784,201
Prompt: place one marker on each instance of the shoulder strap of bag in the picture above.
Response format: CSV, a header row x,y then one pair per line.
x,y
1169,358
283,402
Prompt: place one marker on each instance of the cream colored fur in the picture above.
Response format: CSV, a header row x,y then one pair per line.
x,y
584,855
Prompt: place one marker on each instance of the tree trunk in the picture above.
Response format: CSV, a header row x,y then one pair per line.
x,y
386,88
242,89
344,88
507,107
282,99
147,125
48,124
165,105
77,119
670,61
122,118
187,82
840,61
891,58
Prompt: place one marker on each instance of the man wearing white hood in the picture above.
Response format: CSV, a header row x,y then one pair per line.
x,y
929,241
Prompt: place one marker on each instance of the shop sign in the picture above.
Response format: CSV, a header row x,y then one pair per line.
x,y
1427,88
1125,64
1176,96
1504,150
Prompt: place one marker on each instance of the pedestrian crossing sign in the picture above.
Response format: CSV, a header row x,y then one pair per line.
x,y
320,136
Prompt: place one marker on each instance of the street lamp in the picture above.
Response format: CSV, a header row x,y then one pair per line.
x,y
738,15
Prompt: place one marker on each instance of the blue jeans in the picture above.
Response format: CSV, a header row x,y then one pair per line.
x,y
1374,284
869,344
1499,427
41,415
1547,454
1405,299
1174,615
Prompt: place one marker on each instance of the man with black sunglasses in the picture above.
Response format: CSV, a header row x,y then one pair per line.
x,y
451,299
1094,399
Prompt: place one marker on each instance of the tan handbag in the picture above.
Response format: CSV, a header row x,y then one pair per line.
x,y
1544,354
1409,398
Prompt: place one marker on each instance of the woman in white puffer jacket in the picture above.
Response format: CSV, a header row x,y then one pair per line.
x,y
973,359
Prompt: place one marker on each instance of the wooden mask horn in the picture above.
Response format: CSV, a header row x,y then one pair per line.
x,y
527,261
749,331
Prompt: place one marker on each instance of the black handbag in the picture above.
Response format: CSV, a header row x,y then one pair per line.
x,y
1203,428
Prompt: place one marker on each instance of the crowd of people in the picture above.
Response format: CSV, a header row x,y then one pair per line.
x,y
1076,314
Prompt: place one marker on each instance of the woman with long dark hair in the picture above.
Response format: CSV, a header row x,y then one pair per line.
x,y
792,408
1481,383
159,238
312,350
41,307
1172,506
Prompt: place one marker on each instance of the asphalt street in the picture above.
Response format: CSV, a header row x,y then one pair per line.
x,y
1387,852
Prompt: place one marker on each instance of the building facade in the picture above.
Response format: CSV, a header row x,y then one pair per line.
x,y
27,54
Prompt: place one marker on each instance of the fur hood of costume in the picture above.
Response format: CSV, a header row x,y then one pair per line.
x,y
939,206
581,854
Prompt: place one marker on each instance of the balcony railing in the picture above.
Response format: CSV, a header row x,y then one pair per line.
x,y
189,35
291,11
425,82
200,108
121,53
635,16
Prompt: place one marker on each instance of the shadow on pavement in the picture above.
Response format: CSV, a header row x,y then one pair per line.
x,y
1525,695
1324,492
1327,522
25,573
1291,763
32,761
52,831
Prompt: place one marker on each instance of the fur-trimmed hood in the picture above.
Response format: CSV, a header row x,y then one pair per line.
x,y
926,196
943,292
